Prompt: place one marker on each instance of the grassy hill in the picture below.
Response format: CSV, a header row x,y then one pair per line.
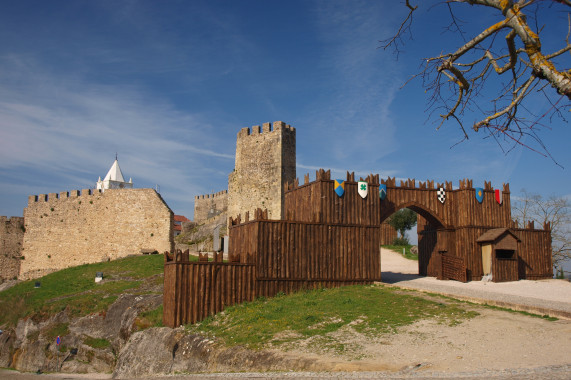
x,y
75,289
287,319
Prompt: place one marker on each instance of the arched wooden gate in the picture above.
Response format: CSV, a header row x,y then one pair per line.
x,y
327,239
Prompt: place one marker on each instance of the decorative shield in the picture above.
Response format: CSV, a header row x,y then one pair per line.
x,y
363,188
479,194
498,196
339,187
382,191
441,193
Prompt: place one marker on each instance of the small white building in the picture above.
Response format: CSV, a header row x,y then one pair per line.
x,y
114,179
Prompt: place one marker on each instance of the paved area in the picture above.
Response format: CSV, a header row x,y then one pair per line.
x,y
544,297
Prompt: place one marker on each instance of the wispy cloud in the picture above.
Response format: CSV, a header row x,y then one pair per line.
x,y
353,125
67,134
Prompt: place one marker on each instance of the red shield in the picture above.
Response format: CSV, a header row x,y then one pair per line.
x,y
498,196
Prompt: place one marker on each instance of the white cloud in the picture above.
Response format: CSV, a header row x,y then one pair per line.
x,y
71,138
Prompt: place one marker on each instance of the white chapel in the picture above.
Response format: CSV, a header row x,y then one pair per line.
x,y
114,179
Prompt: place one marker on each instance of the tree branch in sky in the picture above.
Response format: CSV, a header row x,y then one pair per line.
x,y
462,81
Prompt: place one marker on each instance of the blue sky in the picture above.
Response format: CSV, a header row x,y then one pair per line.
x,y
168,84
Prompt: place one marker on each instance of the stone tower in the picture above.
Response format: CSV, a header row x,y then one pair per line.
x,y
265,161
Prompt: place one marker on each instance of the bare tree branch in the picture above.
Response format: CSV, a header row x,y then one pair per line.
x,y
405,26
554,212
458,81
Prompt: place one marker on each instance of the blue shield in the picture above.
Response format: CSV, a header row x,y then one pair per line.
x,y
382,191
339,187
479,194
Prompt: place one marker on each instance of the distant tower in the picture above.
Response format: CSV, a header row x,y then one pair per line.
x,y
114,179
265,161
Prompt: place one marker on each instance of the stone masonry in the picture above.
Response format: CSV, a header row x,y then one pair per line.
x,y
265,161
210,205
74,228
11,239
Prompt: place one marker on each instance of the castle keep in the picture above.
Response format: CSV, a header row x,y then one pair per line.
x,y
265,162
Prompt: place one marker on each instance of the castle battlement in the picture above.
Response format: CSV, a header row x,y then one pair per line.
x,y
214,195
209,205
278,126
62,195
11,220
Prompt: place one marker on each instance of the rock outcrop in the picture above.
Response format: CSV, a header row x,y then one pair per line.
x,y
161,351
88,344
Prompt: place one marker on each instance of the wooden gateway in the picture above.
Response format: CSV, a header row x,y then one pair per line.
x,y
327,240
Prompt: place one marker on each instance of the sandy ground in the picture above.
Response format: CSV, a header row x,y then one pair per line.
x,y
551,297
494,340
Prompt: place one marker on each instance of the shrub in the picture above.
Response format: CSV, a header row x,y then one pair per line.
x,y
401,241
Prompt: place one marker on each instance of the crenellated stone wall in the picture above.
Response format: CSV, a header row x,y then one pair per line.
x,y
265,161
11,239
210,205
74,228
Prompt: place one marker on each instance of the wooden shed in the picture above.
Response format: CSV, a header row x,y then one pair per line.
x,y
499,254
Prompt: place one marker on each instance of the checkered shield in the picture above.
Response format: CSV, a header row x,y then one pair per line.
x,y
441,193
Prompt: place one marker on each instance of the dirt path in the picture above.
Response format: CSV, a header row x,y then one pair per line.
x,y
551,297
494,340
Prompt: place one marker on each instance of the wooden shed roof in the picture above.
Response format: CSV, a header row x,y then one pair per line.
x,y
494,234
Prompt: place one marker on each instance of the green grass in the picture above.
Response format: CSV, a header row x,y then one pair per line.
x,y
398,248
150,318
99,343
59,329
74,289
306,314
526,313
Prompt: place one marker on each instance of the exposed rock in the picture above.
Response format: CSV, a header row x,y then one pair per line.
x,y
162,351
27,347
200,237
30,356
147,352
119,320
7,339
88,360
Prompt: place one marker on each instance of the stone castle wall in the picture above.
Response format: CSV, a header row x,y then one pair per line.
x,y
11,240
74,228
210,205
265,161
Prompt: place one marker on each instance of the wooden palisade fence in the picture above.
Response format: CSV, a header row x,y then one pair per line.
x,y
195,290
326,240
